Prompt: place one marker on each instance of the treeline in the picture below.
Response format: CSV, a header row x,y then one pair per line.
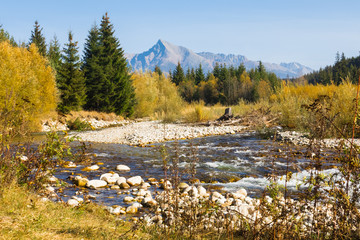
x,y
225,85
344,68
100,80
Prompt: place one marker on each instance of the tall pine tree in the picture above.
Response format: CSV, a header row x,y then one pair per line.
x,y
199,75
111,87
178,75
38,39
93,71
54,54
71,82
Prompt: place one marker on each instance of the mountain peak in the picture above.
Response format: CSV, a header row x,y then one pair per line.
x,y
167,55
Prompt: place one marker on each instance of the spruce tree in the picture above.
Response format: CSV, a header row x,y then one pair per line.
x,y
93,71
71,82
110,88
117,79
199,75
54,54
178,75
38,39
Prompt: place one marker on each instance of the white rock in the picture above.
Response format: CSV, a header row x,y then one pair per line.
x,y
79,199
109,175
134,181
192,191
220,201
139,199
141,192
117,211
145,185
133,208
50,189
242,191
149,202
248,200
73,202
70,165
90,196
215,196
23,158
96,184
138,205
166,185
44,199
202,191
128,199
122,168
244,210
92,168
238,196
120,180
53,179
110,178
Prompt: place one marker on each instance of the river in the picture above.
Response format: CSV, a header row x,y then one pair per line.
x,y
225,162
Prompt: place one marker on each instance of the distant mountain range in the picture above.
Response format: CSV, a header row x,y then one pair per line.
x,y
167,55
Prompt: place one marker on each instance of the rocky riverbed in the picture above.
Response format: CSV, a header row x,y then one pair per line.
x,y
141,133
302,139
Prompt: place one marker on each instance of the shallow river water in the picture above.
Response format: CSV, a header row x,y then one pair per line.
x,y
226,162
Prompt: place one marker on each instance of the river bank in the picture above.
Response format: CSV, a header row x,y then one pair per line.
x,y
144,132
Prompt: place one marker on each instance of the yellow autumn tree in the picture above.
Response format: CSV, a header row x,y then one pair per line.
x,y
27,89
156,96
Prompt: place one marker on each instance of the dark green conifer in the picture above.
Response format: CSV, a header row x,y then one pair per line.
x,y
108,81
199,75
54,54
178,75
116,78
38,39
71,82
93,71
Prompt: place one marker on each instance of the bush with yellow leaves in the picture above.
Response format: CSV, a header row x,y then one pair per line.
x,y
27,89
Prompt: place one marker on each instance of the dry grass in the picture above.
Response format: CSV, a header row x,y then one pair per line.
x,y
289,101
25,216
86,115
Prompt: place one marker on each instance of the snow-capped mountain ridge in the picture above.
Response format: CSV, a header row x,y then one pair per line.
x,y
167,55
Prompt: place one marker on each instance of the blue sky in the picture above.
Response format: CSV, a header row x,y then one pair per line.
x,y
308,31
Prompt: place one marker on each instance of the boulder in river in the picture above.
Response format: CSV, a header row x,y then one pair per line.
x,y
120,180
134,181
133,208
96,184
91,168
124,185
183,185
80,181
122,167
110,178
